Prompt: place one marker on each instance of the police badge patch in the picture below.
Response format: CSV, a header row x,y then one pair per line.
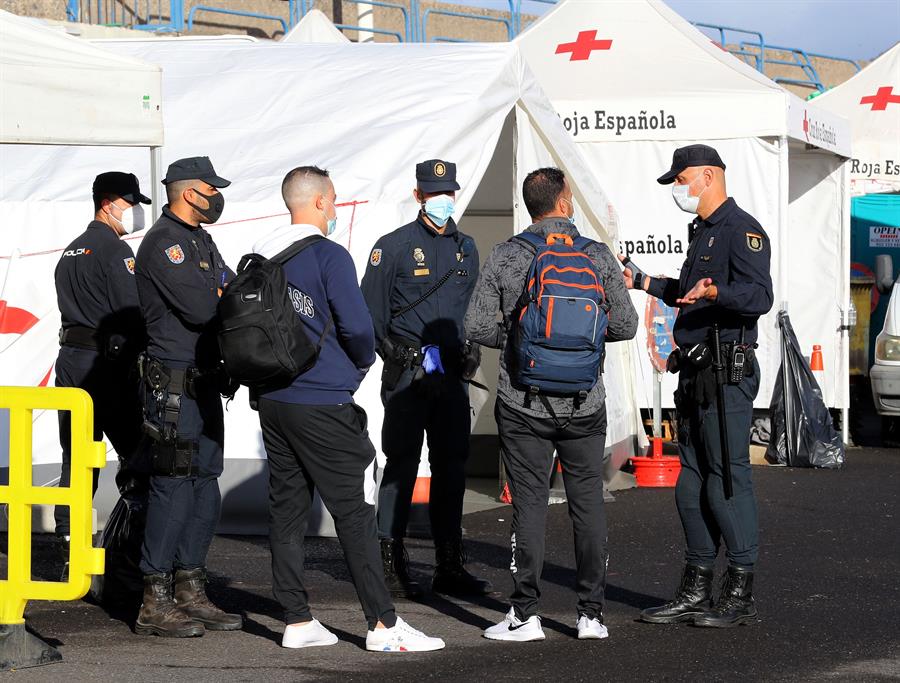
x,y
175,254
129,264
375,258
754,241
440,170
419,256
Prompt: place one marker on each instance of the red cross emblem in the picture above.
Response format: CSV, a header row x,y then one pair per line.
x,y
583,46
881,99
806,124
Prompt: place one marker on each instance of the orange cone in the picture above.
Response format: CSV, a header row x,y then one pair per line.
x,y
815,361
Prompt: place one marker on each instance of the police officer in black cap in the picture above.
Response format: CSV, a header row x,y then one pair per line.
x,y
102,330
724,287
180,277
417,286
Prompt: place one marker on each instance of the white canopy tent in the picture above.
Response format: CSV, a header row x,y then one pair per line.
x,y
257,114
315,27
632,81
57,90
871,102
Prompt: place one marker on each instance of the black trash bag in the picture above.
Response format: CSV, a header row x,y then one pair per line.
x,y
122,583
803,434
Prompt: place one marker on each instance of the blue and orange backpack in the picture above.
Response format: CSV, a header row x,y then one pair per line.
x,y
561,328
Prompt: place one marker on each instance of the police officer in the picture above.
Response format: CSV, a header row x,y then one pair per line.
x,y
724,284
102,330
417,285
180,276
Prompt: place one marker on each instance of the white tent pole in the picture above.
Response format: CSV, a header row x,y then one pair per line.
x,y
783,203
155,163
845,304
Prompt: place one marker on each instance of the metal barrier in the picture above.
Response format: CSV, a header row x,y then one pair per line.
x,y
800,60
18,648
742,51
450,13
236,12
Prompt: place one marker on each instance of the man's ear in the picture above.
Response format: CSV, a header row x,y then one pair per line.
x,y
417,195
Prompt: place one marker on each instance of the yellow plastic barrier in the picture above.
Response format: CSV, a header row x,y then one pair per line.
x,y
20,495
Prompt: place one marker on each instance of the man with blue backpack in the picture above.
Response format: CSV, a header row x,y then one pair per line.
x,y
562,298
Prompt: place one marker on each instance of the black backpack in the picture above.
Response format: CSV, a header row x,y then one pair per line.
x,y
261,338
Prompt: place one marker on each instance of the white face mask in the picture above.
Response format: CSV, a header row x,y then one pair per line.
x,y
132,219
571,218
683,198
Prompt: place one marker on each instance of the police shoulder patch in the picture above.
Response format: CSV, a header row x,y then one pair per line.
x,y
129,264
375,258
175,254
754,241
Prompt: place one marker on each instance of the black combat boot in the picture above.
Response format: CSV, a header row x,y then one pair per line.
x,y
735,605
691,599
395,560
450,574
190,596
159,616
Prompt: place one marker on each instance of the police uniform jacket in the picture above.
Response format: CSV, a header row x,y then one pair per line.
x,y
95,284
403,266
732,249
180,274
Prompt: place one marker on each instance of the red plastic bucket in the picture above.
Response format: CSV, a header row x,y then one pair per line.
x,y
660,472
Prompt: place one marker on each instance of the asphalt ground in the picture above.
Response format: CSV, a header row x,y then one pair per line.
x,y
827,590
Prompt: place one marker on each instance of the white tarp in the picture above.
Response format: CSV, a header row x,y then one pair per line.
x,y
871,102
632,81
58,89
257,115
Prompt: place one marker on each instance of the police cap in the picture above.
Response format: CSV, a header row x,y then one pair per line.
x,y
686,157
435,175
194,168
124,185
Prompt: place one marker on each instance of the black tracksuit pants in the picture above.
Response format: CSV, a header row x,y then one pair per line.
x,y
526,447
322,448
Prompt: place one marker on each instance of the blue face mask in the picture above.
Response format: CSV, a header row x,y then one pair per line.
x,y
439,209
331,223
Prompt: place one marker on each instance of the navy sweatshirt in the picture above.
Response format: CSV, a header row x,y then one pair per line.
x,y
322,284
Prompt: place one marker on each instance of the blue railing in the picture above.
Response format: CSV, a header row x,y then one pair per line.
x,y
415,27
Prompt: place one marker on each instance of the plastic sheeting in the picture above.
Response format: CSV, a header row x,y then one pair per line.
x,y
803,434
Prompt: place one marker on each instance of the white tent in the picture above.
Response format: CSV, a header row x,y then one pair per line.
x,y
315,27
56,90
632,81
871,102
61,90
358,110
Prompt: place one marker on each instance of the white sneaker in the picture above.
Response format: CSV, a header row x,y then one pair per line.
x,y
309,634
513,628
591,629
401,638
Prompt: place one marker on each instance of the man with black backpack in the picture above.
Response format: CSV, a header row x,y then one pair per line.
x,y
562,298
315,435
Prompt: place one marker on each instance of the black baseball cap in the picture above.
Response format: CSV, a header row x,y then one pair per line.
x,y
435,175
194,168
124,185
686,157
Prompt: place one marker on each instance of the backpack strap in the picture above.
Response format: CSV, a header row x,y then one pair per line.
x,y
581,242
531,242
286,255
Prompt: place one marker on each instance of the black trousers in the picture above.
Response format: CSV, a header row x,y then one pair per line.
x,y
322,448
412,411
526,447
706,516
117,412
182,512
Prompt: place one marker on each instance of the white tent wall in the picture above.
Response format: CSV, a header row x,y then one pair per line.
x,y
815,236
257,117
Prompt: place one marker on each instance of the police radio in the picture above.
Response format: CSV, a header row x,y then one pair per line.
x,y
737,361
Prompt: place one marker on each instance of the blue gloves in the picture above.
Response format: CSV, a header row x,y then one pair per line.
x,y
431,361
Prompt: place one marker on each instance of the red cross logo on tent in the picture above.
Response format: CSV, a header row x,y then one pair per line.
x,y
583,46
881,99
18,321
806,124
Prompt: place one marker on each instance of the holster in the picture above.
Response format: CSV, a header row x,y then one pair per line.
x,y
171,456
398,357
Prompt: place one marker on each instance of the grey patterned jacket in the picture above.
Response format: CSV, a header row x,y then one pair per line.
x,y
499,286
